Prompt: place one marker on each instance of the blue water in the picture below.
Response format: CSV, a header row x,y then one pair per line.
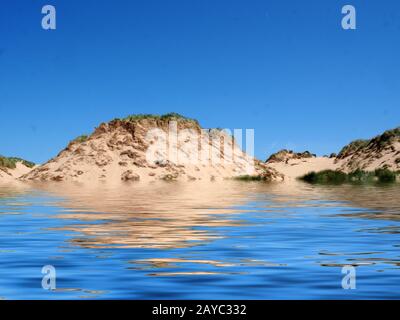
x,y
173,241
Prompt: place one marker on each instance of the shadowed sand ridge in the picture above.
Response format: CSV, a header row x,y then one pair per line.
x,y
381,152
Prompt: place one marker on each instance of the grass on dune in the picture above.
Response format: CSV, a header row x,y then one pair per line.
x,y
167,116
250,178
81,138
357,176
11,162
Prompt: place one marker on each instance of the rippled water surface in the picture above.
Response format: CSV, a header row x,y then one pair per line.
x,y
230,240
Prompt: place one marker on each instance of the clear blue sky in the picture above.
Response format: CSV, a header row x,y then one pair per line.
x,y
285,68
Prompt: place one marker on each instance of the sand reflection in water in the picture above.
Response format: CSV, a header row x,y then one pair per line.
x,y
157,215
176,215
249,232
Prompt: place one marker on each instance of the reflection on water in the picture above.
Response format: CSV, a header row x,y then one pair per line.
x,y
149,216
199,240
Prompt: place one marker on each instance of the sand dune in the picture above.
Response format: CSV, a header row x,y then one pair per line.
x,y
381,152
295,168
11,175
149,149
171,147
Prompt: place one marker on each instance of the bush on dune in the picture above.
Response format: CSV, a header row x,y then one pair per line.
x,y
252,178
385,175
357,176
325,176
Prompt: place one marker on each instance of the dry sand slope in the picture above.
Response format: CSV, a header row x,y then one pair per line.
x,y
151,148
293,165
295,168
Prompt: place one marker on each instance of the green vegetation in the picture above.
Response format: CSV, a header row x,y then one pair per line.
x,y
251,178
284,155
135,117
11,162
378,143
387,136
352,147
81,138
385,175
325,176
357,176
168,116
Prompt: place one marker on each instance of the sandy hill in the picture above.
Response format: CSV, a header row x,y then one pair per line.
x,y
148,148
295,164
12,168
285,155
383,151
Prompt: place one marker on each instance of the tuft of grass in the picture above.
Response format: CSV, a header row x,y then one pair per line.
x,y
81,138
250,178
352,147
380,142
167,116
357,176
385,175
387,136
135,117
11,162
361,176
325,176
